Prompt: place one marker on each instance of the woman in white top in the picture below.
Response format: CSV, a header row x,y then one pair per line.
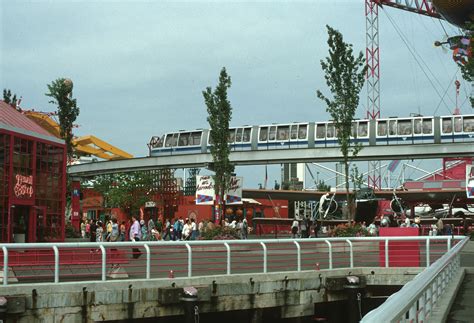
x,y
187,229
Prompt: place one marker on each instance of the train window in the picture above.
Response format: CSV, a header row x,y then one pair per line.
x,y
238,135
404,127
468,124
171,140
392,127
457,124
231,136
447,125
427,126
294,132
417,126
246,137
330,131
272,133
283,132
320,131
302,131
362,131
354,129
156,142
183,139
382,128
263,136
195,139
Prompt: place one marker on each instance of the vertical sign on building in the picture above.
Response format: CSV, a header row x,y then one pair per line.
x,y
470,181
204,190
234,194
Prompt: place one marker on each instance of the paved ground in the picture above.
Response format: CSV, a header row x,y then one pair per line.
x,y
463,306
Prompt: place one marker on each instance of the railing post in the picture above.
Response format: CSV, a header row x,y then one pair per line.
x,y
190,260
421,315
428,260
351,253
412,313
298,255
386,253
264,257
449,243
104,262
329,252
148,261
228,257
5,265
56,264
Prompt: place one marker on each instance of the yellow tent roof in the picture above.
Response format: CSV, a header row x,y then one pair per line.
x,y
86,145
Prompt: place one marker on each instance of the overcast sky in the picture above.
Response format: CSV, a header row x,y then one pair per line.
x,y
139,67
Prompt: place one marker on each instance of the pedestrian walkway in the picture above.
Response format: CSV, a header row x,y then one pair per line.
x,y
462,309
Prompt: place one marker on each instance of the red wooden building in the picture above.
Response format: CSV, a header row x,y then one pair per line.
x,y
32,180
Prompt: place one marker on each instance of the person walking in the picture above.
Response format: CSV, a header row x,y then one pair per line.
x,y
115,233
123,231
135,235
245,229
294,228
167,230
93,228
99,232
83,229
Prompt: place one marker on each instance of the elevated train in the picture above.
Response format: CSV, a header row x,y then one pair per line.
x,y
385,131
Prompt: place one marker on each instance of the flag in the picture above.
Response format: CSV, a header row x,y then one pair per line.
x,y
393,165
266,178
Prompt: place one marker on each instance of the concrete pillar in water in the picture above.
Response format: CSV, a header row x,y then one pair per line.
x,y
355,291
256,315
189,300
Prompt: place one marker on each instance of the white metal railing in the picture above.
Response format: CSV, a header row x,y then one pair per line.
x,y
415,301
300,255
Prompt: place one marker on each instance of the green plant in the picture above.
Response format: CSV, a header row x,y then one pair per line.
x,y
349,230
72,232
219,233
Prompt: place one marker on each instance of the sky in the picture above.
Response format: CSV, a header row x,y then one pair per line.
x,y
139,67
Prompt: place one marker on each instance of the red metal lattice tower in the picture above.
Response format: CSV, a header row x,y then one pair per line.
x,y
372,55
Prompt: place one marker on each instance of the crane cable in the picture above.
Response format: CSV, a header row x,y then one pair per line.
x,y
414,54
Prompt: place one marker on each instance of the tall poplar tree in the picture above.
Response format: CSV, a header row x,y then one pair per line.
x,y
345,77
60,91
219,112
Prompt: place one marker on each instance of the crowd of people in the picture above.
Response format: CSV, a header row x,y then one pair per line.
x,y
141,230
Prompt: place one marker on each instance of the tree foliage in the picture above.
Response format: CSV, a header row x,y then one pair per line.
x,y
322,186
60,91
10,98
127,191
219,112
345,77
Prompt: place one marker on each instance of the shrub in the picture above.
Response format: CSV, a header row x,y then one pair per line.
x,y
72,232
219,233
349,230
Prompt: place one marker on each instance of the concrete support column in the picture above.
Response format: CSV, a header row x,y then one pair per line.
x,y
256,316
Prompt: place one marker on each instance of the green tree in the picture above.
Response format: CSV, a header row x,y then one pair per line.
x,y
60,91
9,99
127,191
219,112
345,77
321,186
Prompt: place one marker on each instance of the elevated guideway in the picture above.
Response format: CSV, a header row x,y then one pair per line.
x,y
276,156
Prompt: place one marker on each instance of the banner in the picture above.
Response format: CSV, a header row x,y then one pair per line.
x,y
470,181
205,190
234,194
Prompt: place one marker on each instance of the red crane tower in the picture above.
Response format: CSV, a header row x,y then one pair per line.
x,y
372,54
